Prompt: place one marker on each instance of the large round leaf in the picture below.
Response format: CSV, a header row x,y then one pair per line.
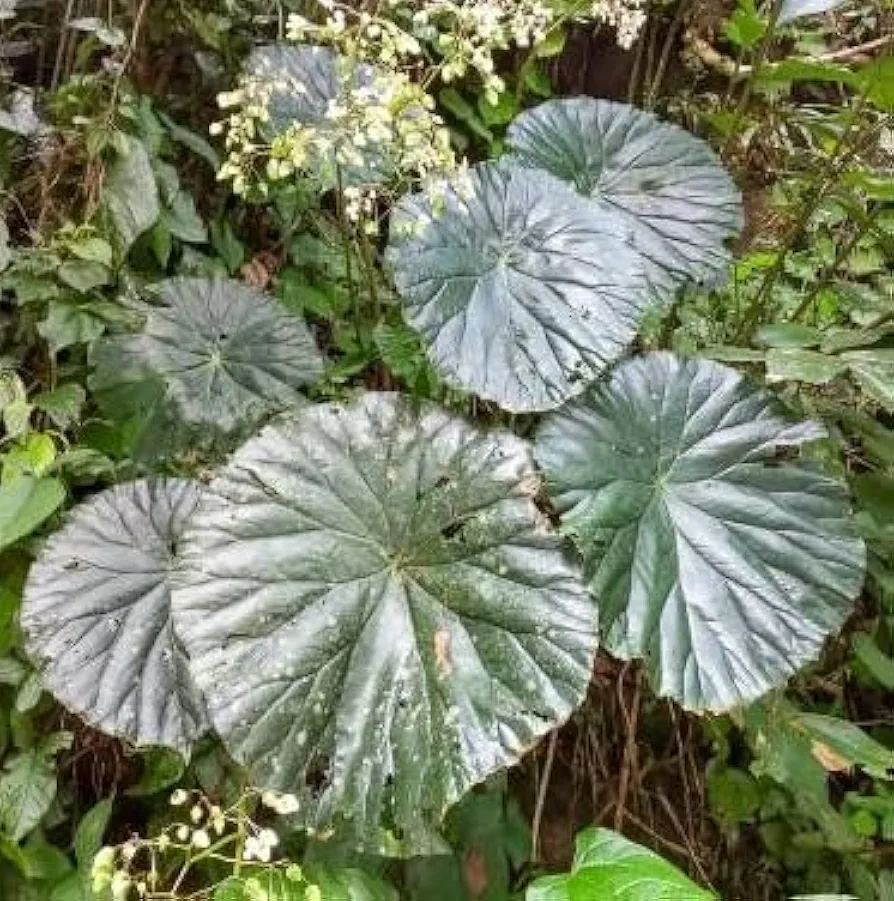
x,y
715,557
522,291
301,82
213,353
653,177
377,612
96,615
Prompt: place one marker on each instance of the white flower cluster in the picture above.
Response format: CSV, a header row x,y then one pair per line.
x,y
281,804
381,130
132,870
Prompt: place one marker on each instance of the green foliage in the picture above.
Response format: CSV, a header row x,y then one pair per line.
x,y
374,594
608,865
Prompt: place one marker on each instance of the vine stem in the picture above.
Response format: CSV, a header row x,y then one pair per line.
x,y
344,228
128,54
542,789
658,78
631,719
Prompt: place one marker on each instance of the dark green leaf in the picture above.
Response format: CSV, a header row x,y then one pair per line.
x,y
879,665
663,184
458,106
96,615
83,275
130,193
500,113
787,334
805,70
874,370
719,562
192,141
67,325
522,291
344,884
62,404
795,364
378,614
213,353
847,742
161,769
27,789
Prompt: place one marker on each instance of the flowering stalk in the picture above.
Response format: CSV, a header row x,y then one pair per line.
x,y
382,128
134,869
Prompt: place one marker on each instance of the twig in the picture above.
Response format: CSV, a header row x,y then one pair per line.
x,y
630,725
541,794
658,78
726,65
691,851
63,43
633,82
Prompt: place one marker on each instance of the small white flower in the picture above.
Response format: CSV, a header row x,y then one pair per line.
x,y
201,839
179,797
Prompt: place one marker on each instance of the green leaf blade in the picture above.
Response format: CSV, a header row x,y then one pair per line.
x,y
96,615
25,502
656,179
352,626
721,565
522,293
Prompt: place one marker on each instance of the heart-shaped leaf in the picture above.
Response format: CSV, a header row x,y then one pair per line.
x,y
300,83
607,865
96,615
523,292
25,502
214,355
663,183
715,558
377,613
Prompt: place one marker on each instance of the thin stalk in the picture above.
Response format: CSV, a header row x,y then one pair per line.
x,y
633,82
345,229
62,45
663,60
759,60
542,788
128,54
369,270
844,251
835,163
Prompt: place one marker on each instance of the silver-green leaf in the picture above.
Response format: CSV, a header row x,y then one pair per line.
x,y
378,614
715,557
213,353
97,620
522,291
664,184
